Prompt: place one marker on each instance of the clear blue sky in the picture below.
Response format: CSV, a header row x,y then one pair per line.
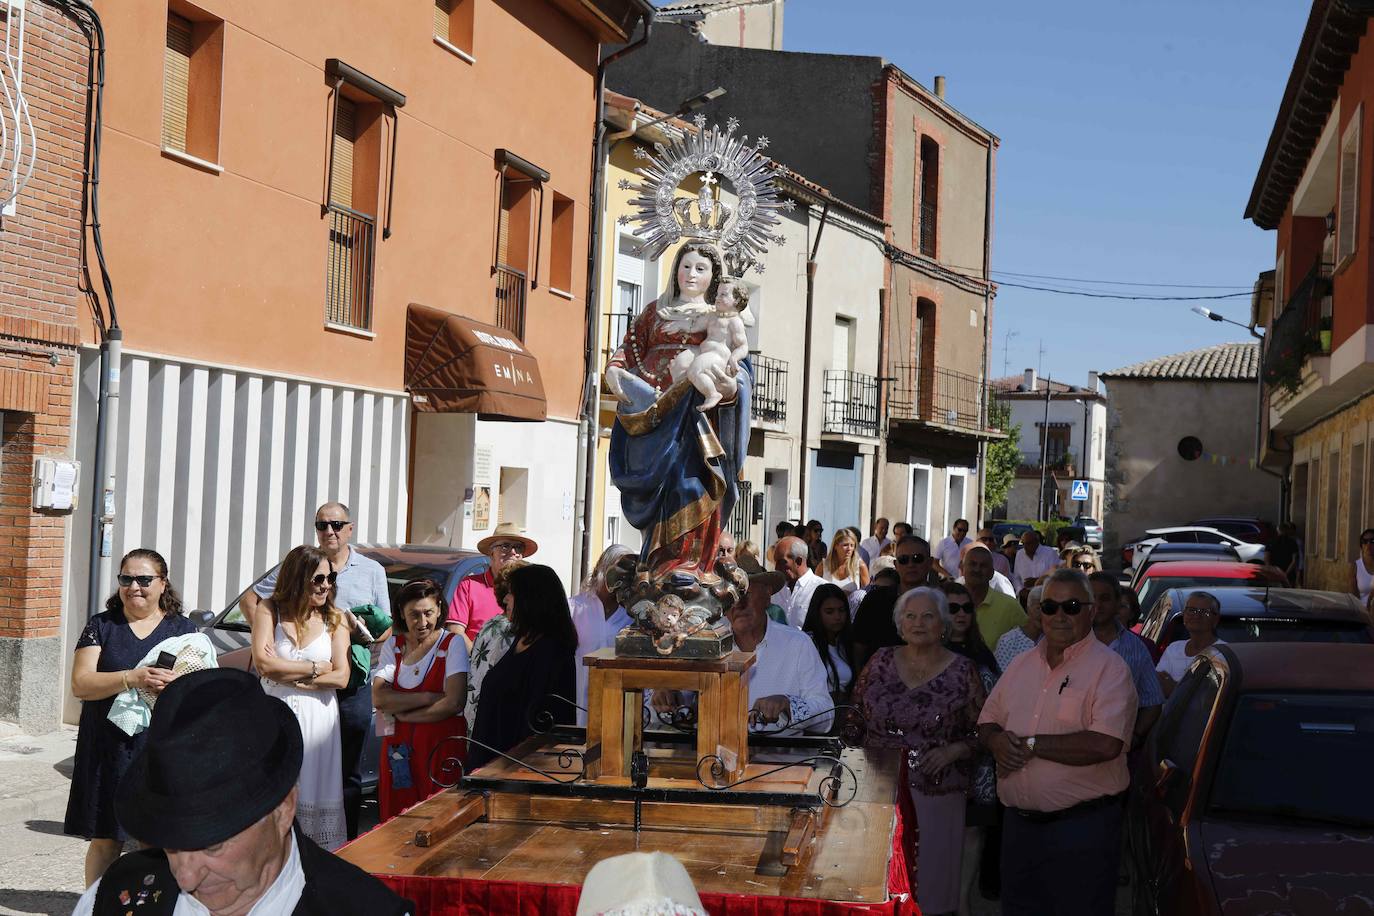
x,y
1131,134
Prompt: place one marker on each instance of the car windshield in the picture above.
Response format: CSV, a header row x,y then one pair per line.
x,y
1151,589
1292,756
1266,629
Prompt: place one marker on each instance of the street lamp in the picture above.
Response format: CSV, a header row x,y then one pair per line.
x,y
690,105
1209,314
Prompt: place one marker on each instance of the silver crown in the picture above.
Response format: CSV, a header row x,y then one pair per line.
x,y
742,233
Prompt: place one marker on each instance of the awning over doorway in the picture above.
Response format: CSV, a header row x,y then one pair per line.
x,y
457,365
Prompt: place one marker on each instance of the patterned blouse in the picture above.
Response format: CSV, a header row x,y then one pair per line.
x,y
495,637
941,711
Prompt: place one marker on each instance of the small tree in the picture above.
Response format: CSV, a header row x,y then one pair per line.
x,y
1003,456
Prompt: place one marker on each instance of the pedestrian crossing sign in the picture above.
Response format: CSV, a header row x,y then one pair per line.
x,y
1080,490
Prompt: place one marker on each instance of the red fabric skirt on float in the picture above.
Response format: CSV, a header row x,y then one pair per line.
x,y
439,896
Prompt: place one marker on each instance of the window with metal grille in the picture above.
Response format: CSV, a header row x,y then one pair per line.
x,y
352,233
192,56
930,196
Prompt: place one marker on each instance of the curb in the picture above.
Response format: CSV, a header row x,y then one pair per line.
x,y
18,808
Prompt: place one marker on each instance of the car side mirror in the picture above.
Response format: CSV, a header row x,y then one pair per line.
x,y
202,618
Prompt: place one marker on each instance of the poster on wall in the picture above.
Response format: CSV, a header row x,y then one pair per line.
x,y
481,509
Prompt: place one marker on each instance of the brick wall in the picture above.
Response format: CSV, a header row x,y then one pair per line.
x,y
40,307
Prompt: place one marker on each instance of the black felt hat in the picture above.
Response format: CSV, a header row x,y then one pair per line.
x,y
220,755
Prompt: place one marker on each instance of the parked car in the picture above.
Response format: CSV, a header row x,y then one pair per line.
x,y
1247,528
229,631
1002,529
1250,796
1092,531
1199,553
1188,576
1251,614
1250,553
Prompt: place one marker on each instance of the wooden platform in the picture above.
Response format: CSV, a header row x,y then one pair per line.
x,y
838,854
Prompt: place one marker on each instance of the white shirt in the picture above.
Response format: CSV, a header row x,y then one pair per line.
x,y
281,897
842,668
1044,561
999,583
594,631
407,676
948,553
871,548
796,598
1175,662
786,663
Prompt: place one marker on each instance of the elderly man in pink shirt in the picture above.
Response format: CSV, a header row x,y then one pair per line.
x,y
1059,724
474,600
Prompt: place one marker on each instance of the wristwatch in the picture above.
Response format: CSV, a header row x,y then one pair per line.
x,y
1030,745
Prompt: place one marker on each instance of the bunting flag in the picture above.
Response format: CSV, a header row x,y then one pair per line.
x,y
1227,460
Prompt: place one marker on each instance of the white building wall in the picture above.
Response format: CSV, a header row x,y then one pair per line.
x,y
220,469
457,455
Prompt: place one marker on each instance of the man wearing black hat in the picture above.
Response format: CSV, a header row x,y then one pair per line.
x,y
214,794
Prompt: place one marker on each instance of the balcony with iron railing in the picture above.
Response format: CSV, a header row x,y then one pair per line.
x,y
939,397
1296,348
511,286
349,268
851,404
769,402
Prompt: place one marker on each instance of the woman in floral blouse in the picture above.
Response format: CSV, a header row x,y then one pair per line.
x,y
491,643
924,699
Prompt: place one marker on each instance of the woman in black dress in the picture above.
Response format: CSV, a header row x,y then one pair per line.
x,y
142,612
538,667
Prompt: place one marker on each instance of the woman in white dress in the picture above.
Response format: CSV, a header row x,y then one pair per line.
x,y
843,567
301,651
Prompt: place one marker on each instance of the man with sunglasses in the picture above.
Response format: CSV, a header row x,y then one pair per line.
x,y
1059,723
1132,649
950,550
474,600
997,611
359,582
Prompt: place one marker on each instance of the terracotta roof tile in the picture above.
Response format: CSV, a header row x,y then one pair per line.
x,y
1231,362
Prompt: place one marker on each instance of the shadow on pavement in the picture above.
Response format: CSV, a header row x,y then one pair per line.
x,y
53,828
37,903
65,767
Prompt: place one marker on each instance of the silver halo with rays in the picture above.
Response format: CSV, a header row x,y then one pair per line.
x,y
741,233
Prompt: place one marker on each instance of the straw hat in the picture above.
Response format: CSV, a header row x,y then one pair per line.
x,y
507,531
639,884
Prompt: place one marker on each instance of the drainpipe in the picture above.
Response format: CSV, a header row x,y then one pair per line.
x,y
987,326
587,427
806,358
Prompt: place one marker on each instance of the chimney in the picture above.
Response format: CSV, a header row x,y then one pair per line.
x,y
939,87
1029,384
1092,383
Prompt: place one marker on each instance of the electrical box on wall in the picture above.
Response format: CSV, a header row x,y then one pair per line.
x,y
54,483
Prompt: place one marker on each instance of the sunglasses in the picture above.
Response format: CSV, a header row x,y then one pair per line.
x,y
917,558
143,581
1084,565
1201,611
1070,607
321,579
321,525
512,547
961,607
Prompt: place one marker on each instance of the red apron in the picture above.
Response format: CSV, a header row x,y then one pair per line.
x,y
422,737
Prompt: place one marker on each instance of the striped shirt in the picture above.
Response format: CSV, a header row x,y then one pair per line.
x,y
1137,657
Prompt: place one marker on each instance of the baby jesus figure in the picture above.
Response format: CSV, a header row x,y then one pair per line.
x,y
712,366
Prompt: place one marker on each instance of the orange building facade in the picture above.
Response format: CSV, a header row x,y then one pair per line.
x,y
281,183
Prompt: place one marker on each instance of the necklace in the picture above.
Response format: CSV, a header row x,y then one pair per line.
x,y
637,353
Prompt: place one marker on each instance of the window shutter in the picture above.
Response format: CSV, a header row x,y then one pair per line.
x,y
176,82
341,179
503,229
1350,182
442,8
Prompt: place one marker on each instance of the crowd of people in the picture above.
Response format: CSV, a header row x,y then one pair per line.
x,y
1007,673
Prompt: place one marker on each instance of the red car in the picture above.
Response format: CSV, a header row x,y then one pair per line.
x,y
1251,796
1159,578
